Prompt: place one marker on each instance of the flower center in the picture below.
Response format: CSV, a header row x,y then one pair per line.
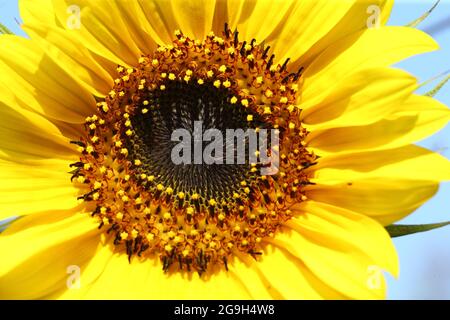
x,y
190,107
179,200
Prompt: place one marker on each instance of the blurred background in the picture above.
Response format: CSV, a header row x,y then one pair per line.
x,y
424,257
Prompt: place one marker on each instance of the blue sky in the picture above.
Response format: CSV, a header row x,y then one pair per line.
x,y
424,257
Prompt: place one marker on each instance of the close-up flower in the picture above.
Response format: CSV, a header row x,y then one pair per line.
x,y
93,97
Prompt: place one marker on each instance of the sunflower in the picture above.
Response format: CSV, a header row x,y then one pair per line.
x,y
99,86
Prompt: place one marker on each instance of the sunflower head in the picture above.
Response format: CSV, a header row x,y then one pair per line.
x,y
111,89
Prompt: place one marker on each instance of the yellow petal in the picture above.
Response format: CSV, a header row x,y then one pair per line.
x,y
387,200
146,280
403,163
284,277
371,48
307,23
27,135
417,118
39,83
258,19
37,12
341,247
360,16
41,185
431,117
72,55
362,98
194,18
37,252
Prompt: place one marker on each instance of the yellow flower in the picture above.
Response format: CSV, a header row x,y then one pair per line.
x,y
312,230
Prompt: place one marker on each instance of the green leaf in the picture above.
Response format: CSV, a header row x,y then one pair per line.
x,y
416,22
4,29
432,79
399,230
436,89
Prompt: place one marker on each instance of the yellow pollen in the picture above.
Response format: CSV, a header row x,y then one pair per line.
x,y
129,132
244,102
119,69
180,195
284,100
291,125
217,83
144,111
210,73
141,60
81,179
223,68
162,87
259,80
150,237
227,84
267,110
134,234
200,81
155,62
172,76
233,100
89,149
97,185
190,210
169,190
195,196
249,117
105,221
160,187
137,162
